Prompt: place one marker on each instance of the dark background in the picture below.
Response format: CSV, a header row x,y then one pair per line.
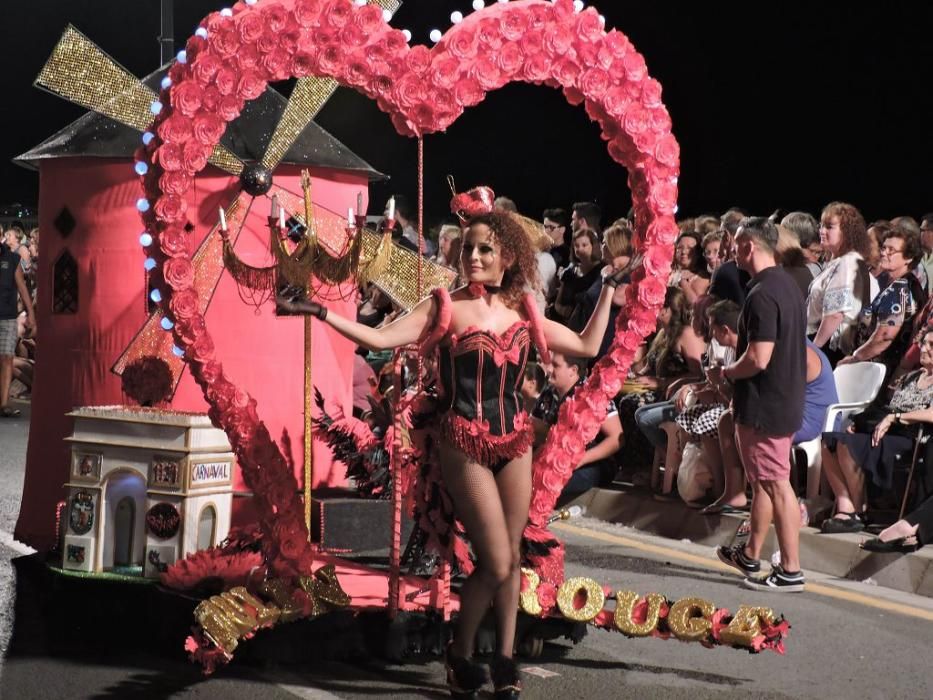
x,y
775,105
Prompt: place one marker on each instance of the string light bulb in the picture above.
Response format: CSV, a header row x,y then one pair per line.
x,y
435,35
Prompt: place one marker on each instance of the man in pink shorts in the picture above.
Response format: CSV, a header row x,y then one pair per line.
x,y
769,380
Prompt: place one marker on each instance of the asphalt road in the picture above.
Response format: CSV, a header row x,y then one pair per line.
x,y
849,640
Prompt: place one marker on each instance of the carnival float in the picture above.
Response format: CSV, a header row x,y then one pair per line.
x,y
224,228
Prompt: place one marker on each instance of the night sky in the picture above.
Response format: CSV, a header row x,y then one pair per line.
x,y
775,105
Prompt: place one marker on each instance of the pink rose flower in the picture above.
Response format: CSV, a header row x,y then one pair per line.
x,y
651,291
514,24
210,98
650,92
630,341
225,41
178,273
251,85
658,261
557,40
303,64
663,198
461,42
248,57
356,71
330,59
369,19
537,68
177,129
486,73
276,64
567,71
659,120
418,59
170,207
510,58
445,70
274,18
645,141
594,83
306,12
229,108
352,35
617,100
269,41
394,41
174,240
210,371
206,67
636,120
410,90
574,96
380,86
662,232
203,348
635,67
468,92
489,34
588,25
249,27
186,97
289,40
175,182
194,156
617,43
184,303
225,80
532,43
337,13
208,129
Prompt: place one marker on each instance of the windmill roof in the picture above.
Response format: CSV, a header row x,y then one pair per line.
x,y
99,136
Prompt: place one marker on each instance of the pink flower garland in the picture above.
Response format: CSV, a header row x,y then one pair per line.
x,y
423,91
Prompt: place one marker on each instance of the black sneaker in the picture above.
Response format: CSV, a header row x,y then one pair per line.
x,y
735,556
778,581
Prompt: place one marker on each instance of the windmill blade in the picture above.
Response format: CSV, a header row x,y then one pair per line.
x,y
152,339
307,99
81,72
399,280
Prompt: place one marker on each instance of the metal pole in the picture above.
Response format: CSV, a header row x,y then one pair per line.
x,y
167,37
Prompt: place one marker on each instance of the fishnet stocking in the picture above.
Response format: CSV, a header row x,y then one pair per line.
x,y
493,510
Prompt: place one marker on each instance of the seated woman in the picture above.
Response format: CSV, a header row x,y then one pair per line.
x,y
913,530
689,274
597,466
886,325
851,455
586,258
673,355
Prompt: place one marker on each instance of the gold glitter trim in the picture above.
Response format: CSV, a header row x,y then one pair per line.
x,y
528,600
595,598
226,160
689,619
306,100
625,606
81,72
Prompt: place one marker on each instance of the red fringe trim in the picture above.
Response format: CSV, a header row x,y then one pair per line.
x,y
436,334
537,327
474,439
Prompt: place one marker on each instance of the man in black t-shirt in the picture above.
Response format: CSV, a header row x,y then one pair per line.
x,y
769,380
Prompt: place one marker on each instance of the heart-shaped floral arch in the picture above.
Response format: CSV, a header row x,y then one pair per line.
x,y
232,58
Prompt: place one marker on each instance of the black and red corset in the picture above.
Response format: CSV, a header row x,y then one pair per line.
x,y
480,374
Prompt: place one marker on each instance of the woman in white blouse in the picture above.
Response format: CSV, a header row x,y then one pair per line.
x,y
845,285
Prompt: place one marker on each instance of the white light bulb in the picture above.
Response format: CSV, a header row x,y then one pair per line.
x,y
456,17
155,107
226,12
141,168
387,15
407,34
435,35
201,32
147,138
142,204
178,352
182,56
145,240
478,5
359,3
578,5
155,295
166,83
166,323
602,20
503,1
149,264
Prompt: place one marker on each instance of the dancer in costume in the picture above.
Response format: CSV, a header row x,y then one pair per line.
x,y
483,333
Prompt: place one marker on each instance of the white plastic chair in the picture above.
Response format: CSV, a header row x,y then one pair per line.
x,y
857,385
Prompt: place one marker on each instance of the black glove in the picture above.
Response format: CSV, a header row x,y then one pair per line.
x,y
300,304
618,277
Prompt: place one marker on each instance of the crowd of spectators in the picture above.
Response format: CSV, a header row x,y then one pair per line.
x,y
19,258
864,292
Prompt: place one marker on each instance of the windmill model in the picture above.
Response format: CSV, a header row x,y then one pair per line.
x,y
331,251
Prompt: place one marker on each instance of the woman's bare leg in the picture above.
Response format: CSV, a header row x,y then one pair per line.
x,y
477,505
514,484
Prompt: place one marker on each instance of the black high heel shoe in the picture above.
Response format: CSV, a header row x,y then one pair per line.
x,y
505,678
465,677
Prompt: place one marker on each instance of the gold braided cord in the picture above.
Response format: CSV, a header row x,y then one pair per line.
x,y
81,72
